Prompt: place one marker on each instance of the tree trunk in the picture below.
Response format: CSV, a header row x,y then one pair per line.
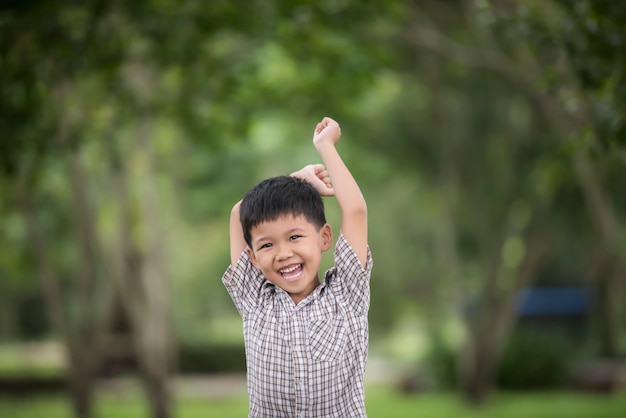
x,y
140,278
80,384
91,291
613,267
475,367
81,334
489,326
156,333
606,288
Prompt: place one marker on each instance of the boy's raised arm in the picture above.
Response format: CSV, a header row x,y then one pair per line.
x,y
237,242
349,197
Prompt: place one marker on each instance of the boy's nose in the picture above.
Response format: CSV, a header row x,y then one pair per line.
x,y
284,252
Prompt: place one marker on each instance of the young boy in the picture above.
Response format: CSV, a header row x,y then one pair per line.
x,y
306,341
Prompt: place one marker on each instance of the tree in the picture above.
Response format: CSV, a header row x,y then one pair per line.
x,y
577,69
492,229
82,67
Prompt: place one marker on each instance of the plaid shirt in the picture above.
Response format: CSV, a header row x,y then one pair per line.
x,y
305,360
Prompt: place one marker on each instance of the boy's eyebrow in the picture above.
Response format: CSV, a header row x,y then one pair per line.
x,y
296,229
259,239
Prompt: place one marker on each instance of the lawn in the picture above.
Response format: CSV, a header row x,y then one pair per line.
x,y
381,403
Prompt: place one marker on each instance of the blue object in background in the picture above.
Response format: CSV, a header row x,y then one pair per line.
x,y
554,301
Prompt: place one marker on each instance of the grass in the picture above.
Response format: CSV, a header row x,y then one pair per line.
x,y
381,402
385,403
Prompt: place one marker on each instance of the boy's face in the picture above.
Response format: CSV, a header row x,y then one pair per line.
x,y
288,251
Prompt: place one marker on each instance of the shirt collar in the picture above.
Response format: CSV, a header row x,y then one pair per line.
x,y
268,288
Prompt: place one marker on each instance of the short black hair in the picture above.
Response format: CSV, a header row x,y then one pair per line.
x,y
278,196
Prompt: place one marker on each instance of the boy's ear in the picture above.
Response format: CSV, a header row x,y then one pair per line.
x,y
327,237
252,256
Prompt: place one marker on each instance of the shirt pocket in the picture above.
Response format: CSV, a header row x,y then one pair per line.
x,y
326,335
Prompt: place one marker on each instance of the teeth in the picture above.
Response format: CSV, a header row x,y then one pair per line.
x,y
290,269
291,273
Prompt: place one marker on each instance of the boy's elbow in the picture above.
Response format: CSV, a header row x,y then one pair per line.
x,y
357,211
353,207
361,206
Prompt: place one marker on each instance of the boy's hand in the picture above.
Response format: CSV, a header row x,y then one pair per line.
x,y
326,131
317,175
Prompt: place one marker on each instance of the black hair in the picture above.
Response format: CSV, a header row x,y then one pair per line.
x,y
278,196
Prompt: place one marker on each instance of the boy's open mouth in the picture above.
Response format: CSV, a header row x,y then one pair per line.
x,y
292,272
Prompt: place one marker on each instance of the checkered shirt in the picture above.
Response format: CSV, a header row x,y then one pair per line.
x,y
305,360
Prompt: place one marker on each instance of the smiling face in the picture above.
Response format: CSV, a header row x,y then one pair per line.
x,y
288,251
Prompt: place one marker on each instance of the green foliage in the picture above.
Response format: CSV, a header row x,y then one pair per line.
x,y
593,39
537,359
578,46
533,359
199,359
447,121
442,362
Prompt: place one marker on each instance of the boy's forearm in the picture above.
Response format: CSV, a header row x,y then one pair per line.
x,y
350,199
347,191
237,242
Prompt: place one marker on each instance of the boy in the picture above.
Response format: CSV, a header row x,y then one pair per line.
x,y
306,341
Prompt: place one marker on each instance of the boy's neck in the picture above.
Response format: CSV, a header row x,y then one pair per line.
x,y
297,298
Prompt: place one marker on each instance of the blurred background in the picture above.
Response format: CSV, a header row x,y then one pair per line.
x,y
488,138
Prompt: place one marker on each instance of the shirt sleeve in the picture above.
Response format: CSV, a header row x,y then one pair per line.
x,y
243,283
351,279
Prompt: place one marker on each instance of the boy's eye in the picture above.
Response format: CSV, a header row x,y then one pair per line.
x,y
294,237
266,245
